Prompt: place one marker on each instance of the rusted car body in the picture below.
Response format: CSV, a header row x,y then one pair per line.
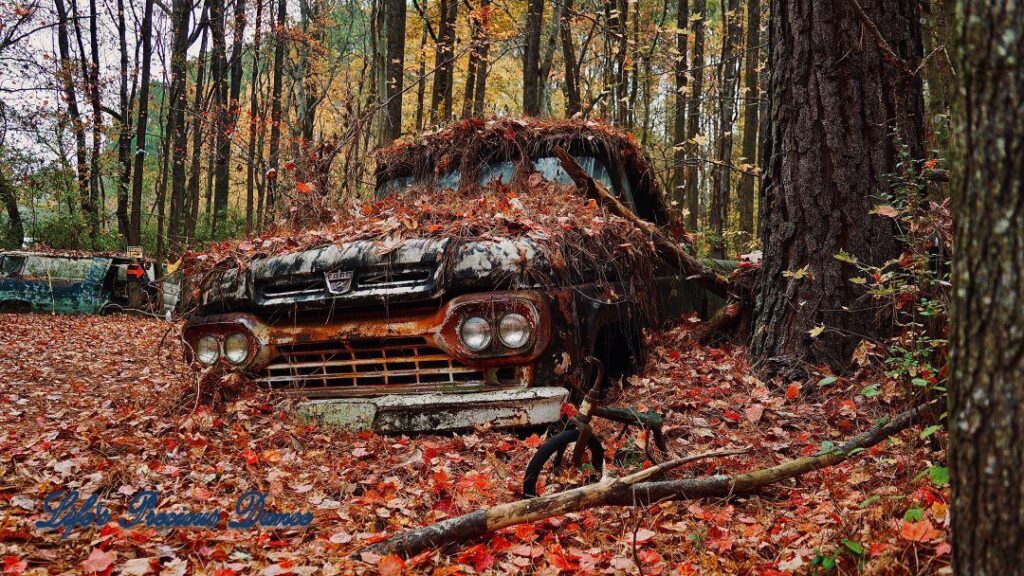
x,y
434,334
66,283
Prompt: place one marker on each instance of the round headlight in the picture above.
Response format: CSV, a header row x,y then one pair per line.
x,y
236,348
207,350
475,333
514,330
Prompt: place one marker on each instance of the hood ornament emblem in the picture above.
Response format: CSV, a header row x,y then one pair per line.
x,y
339,281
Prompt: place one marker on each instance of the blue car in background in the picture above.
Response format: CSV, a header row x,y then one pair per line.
x,y
70,283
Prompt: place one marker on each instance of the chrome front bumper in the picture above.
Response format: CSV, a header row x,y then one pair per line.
x,y
440,411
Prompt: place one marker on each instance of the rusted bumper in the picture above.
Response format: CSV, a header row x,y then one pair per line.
x,y
436,412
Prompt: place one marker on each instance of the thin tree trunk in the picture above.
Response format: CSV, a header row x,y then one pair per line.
x,y
693,109
199,128
67,77
484,46
531,57
124,137
475,63
15,229
138,168
255,120
181,11
826,172
721,180
573,103
444,57
222,117
421,82
273,176
679,110
394,70
751,126
986,341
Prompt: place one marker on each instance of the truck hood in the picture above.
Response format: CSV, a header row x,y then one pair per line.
x,y
368,273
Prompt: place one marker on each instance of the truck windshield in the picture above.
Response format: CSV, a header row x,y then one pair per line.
x,y
548,167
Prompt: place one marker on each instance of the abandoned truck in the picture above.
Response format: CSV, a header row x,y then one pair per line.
x,y
437,331
70,283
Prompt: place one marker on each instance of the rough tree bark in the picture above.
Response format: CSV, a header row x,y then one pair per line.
x,y
751,126
693,115
679,108
181,12
481,52
394,70
837,99
141,124
444,62
571,86
255,119
986,338
67,80
274,154
721,175
531,57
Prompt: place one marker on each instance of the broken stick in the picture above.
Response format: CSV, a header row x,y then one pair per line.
x,y
631,491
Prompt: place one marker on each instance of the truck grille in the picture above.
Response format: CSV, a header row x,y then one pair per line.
x,y
369,367
379,278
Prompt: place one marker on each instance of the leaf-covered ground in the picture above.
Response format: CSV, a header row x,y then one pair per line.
x,y
104,405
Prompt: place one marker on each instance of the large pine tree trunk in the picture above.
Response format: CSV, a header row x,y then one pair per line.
x,y
987,339
836,100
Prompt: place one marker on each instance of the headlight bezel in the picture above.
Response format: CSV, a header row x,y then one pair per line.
x,y
493,306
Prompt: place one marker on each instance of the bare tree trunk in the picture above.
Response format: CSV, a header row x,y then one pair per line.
x,y
394,70
751,106
573,103
483,47
200,108
531,57
138,169
67,78
222,119
181,11
827,171
255,120
986,342
721,179
275,111
124,136
679,109
444,61
693,109
477,58
421,78
15,229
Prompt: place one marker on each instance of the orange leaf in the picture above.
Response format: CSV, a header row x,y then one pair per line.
x,y
391,565
922,531
533,441
304,187
793,391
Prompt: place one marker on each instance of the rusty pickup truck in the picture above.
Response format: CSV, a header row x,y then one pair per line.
x,y
432,334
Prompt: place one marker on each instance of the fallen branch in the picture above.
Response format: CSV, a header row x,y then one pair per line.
x,y
632,491
707,278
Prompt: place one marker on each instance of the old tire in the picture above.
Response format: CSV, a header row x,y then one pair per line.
x,y
554,450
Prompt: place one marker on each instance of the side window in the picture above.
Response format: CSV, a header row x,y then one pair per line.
x,y
551,168
11,265
50,268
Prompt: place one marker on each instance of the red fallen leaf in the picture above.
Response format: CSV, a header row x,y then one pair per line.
x,y
564,561
922,531
568,410
943,548
792,391
391,565
304,187
110,530
649,556
479,556
533,441
440,478
250,457
499,544
731,415
13,565
526,531
289,165
98,561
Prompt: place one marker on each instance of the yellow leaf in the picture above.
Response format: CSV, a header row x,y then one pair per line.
x,y
816,331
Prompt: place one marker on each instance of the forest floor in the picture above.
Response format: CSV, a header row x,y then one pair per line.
x,y
104,405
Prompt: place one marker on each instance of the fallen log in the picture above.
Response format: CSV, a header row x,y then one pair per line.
x,y
670,250
632,491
